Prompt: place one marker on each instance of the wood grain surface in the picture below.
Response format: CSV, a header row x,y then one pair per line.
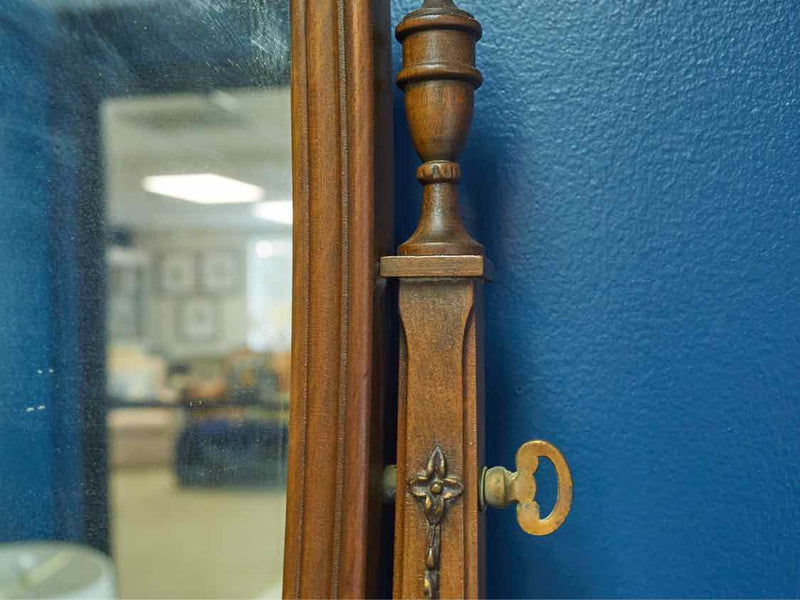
x,y
441,270
342,186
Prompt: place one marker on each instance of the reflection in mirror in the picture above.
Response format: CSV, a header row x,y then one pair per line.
x,y
149,270
198,319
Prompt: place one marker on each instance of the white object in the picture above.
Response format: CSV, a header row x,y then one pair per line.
x,y
55,571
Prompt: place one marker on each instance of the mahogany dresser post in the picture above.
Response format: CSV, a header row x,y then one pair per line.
x,y
441,269
342,194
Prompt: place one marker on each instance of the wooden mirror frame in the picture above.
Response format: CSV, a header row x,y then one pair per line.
x,y
343,368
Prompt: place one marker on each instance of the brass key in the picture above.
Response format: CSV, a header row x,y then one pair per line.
x,y
500,487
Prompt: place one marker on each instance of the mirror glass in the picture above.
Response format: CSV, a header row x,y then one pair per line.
x,y
147,250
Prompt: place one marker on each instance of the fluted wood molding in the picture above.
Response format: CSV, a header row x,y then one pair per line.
x,y
341,161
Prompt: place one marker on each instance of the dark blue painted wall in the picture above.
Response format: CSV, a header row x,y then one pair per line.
x,y
40,441
26,400
634,173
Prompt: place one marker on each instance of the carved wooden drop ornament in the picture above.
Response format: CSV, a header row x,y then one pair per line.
x,y
441,270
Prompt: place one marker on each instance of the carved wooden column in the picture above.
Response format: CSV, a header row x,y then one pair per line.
x,y
441,269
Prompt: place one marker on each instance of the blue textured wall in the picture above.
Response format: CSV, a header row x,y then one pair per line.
x,y
634,173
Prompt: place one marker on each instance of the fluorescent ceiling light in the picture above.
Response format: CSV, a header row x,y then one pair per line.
x,y
279,211
203,188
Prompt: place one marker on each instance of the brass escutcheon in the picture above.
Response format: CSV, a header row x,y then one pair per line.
x,y
500,487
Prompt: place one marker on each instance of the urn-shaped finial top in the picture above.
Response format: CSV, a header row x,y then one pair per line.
x,y
439,79
442,20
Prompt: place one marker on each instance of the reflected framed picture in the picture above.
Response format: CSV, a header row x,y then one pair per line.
x,y
177,273
198,319
125,308
125,279
124,317
219,271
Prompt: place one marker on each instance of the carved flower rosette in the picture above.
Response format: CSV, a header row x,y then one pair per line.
x,y
434,488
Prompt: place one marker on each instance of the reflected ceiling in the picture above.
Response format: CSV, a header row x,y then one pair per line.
x,y
239,134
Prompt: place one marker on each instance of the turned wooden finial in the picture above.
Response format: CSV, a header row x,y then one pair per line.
x,y
439,79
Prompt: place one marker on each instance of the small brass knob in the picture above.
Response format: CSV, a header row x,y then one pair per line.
x,y
500,487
